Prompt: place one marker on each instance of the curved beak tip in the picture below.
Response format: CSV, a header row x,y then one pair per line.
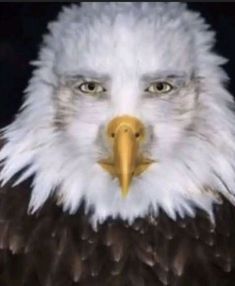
x,y
125,185
124,193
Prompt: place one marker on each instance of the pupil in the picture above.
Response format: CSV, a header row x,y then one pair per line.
x,y
91,86
160,86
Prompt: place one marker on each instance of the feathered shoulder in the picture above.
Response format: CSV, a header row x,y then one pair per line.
x,y
51,247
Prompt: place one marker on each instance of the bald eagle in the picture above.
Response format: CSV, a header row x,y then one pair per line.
x,y
118,169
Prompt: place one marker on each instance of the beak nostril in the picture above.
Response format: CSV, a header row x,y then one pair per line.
x,y
137,135
113,135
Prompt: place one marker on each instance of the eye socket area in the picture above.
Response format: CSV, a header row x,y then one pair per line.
x,y
90,87
159,87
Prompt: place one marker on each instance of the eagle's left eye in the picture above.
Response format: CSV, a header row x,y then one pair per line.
x,y
159,87
91,87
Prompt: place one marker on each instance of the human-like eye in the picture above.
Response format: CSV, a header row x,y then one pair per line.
x,y
91,87
159,87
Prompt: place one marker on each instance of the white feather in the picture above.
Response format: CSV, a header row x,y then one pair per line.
x,y
125,42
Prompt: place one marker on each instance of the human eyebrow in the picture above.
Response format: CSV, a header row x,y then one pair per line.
x,y
177,78
165,74
85,76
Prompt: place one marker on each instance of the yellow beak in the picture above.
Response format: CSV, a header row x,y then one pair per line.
x,y
126,133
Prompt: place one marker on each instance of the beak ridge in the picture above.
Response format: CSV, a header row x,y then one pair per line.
x,y
125,154
125,133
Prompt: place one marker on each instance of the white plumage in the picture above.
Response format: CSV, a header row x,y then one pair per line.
x,y
58,133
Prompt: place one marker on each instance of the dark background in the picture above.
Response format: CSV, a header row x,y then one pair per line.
x,y
23,24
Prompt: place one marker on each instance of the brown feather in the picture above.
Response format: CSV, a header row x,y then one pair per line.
x,y
54,248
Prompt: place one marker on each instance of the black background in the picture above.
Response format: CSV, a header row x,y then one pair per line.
x,y
23,24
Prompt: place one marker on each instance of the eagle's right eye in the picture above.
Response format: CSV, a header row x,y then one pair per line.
x,y
91,87
159,87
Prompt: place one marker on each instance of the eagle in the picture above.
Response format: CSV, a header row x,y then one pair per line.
x,y
119,167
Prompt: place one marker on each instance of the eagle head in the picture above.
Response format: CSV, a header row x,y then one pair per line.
x,y
126,112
